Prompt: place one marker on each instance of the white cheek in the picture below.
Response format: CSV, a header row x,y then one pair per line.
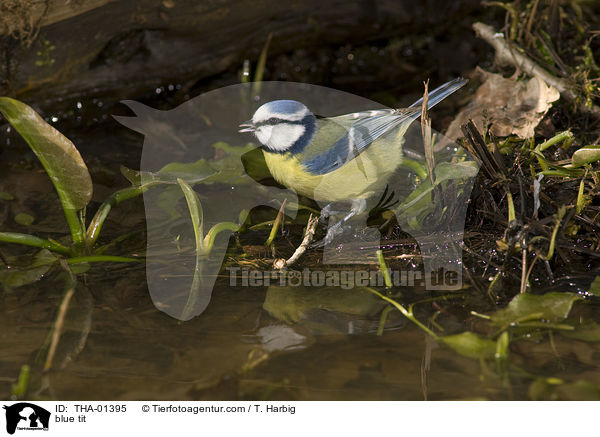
x,y
263,134
283,136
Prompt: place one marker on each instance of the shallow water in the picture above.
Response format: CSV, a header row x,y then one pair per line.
x,y
235,350
117,345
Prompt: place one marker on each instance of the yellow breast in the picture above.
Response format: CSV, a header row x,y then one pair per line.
x,y
362,177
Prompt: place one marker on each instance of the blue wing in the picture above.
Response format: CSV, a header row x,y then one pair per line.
x,y
360,135
365,127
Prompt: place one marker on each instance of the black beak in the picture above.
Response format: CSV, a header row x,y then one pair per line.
x,y
247,127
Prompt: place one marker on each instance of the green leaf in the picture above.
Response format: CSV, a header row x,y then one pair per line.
x,y
445,171
58,155
80,268
502,344
580,390
293,304
585,155
595,286
191,173
168,200
418,203
19,390
585,332
195,210
226,169
470,345
209,239
229,168
543,388
24,219
133,176
6,196
19,276
550,307
255,165
233,150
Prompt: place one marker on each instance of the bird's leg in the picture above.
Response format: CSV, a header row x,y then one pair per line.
x,y
328,210
358,206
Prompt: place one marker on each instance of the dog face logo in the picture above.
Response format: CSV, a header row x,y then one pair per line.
x,y
26,416
189,139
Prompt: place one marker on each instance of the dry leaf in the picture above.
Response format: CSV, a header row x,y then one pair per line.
x,y
511,106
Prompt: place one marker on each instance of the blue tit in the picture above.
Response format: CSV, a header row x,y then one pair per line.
x,y
343,158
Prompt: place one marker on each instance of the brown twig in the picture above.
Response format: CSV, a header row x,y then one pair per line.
x,y
531,16
309,234
513,55
60,319
426,133
276,224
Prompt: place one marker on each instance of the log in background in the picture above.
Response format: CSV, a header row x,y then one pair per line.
x,y
69,47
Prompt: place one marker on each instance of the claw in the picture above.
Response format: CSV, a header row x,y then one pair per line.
x,y
358,206
332,232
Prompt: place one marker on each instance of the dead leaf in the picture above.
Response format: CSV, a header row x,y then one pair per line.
x,y
511,106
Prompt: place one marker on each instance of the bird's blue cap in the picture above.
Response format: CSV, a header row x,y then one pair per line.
x,y
284,110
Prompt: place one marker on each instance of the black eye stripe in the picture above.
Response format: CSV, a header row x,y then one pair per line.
x,y
274,120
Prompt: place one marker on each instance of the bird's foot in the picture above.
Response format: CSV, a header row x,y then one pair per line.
x,y
332,232
357,207
329,210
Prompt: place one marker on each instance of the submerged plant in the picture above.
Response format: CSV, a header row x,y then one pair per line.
x,y
71,179
66,170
